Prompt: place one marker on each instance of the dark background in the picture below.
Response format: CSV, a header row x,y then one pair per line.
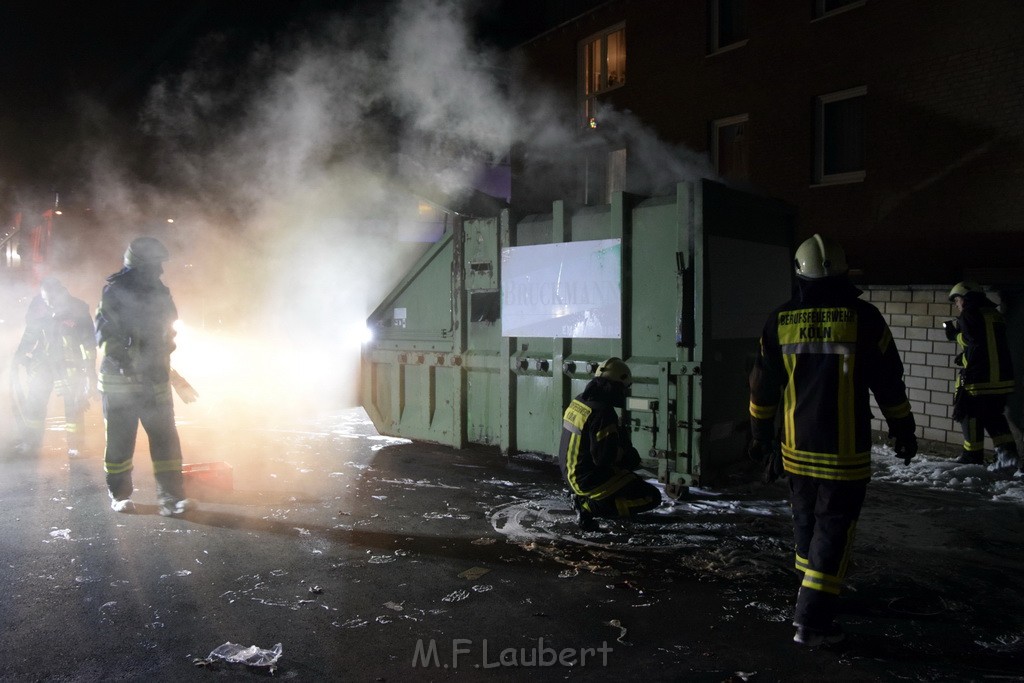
x,y
59,57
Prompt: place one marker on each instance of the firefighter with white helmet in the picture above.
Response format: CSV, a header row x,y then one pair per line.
x,y
134,329
595,453
821,354
985,380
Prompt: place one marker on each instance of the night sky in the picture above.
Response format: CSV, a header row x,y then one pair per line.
x,y
63,59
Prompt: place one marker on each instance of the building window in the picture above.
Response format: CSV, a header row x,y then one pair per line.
x,y
602,66
839,132
729,147
824,8
728,24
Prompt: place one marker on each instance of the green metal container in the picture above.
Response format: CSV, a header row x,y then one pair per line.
x,y
499,326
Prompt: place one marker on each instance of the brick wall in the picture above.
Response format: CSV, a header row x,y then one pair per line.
x,y
915,316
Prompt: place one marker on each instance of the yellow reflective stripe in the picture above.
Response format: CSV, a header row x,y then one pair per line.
x,y
117,467
572,458
818,581
987,388
625,505
762,412
789,403
834,325
577,413
611,486
897,411
802,564
161,466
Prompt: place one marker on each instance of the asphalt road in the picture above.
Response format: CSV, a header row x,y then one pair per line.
x,y
375,559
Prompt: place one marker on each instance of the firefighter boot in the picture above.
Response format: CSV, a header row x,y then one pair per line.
x,y
970,458
584,517
1007,461
814,638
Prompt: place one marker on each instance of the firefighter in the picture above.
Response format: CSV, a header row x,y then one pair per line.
x,y
596,456
58,352
134,329
985,380
820,355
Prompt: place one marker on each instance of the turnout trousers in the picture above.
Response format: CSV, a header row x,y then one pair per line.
x,y
986,414
37,399
825,514
123,411
623,495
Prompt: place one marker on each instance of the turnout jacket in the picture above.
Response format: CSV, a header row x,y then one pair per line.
x,y
987,366
134,328
593,452
59,341
821,354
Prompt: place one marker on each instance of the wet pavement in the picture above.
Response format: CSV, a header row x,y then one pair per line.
x,y
375,559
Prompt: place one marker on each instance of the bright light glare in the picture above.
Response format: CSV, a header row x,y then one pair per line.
x,y
364,333
178,326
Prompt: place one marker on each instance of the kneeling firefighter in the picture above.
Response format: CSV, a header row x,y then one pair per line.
x,y
596,455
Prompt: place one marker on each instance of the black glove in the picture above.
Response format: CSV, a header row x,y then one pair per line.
x,y
758,450
768,454
951,328
906,447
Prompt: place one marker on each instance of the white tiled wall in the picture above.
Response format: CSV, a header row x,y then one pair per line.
x,y
915,316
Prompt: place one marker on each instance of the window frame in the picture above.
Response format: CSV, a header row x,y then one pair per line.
x,y
588,99
820,102
716,127
714,33
821,13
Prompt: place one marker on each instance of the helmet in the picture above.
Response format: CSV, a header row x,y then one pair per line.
x,y
616,370
964,288
145,251
820,257
52,291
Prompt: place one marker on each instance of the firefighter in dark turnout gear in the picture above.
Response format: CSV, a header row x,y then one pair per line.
x,y
821,354
596,456
985,380
134,328
58,351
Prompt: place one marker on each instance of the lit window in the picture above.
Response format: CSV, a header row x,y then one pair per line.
x,y
839,136
729,147
824,8
602,65
728,23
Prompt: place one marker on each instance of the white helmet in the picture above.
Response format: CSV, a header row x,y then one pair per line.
x,y
616,370
820,257
145,251
964,288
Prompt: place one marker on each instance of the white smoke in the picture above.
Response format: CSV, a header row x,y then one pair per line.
x,y
291,180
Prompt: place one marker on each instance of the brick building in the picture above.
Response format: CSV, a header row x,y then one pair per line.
x,y
895,126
